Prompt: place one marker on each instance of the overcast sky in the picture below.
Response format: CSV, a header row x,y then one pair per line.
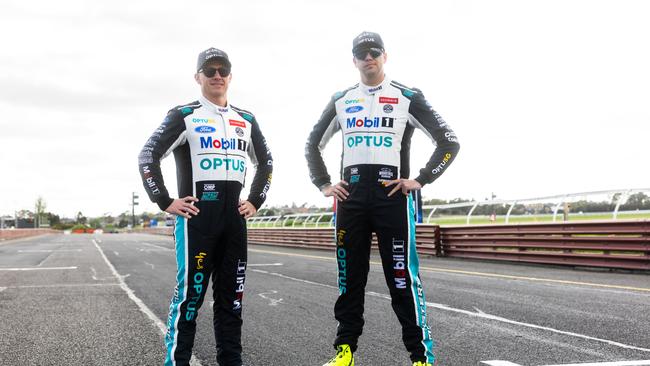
x,y
546,97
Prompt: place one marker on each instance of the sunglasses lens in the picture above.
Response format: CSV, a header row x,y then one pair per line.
x,y
211,71
223,71
361,55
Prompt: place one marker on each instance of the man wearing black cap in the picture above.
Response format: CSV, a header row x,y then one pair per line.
x,y
377,118
210,139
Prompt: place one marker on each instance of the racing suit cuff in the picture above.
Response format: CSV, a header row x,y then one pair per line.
x,y
321,186
420,179
164,202
256,202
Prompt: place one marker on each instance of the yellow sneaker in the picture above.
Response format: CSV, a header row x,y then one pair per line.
x,y
420,363
343,357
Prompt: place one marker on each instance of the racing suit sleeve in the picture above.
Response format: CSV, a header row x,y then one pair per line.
x,y
162,142
422,116
260,156
323,131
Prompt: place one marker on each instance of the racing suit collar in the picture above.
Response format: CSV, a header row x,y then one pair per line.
x,y
217,109
370,90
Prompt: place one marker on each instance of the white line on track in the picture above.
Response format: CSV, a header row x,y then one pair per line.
x,y
141,305
158,247
36,268
47,250
264,264
66,285
615,363
473,314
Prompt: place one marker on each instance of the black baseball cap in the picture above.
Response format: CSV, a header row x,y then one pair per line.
x,y
367,40
210,54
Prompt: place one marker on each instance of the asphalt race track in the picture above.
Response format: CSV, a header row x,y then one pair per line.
x,y
103,300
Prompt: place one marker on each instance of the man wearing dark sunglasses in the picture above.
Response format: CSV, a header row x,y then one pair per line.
x,y
210,139
377,118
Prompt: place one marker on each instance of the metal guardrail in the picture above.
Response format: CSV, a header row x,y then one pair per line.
x,y
618,244
607,244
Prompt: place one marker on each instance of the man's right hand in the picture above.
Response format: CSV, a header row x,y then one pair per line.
x,y
338,190
183,207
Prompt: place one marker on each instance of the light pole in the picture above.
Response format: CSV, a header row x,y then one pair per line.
x,y
134,203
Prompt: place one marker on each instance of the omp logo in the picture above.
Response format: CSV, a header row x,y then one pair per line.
x,y
222,163
370,123
370,141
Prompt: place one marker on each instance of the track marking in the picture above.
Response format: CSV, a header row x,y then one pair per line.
x,y
615,363
36,268
477,314
141,305
149,264
272,301
47,250
66,285
158,247
481,274
264,264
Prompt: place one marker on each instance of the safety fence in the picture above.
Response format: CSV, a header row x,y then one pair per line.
x,y
609,244
7,234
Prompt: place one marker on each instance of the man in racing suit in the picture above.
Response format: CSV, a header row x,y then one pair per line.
x,y
210,139
377,118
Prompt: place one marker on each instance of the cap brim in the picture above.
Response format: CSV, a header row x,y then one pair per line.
x,y
368,47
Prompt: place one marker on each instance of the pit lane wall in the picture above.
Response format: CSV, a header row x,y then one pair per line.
x,y
606,244
9,234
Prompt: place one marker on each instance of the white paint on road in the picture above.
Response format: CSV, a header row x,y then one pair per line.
x,y
141,305
155,247
47,250
149,264
477,315
615,363
2,289
66,285
36,268
272,301
116,253
264,264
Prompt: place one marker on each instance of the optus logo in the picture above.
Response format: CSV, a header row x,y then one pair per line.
x,y
203,120
370,141
222,163
354,101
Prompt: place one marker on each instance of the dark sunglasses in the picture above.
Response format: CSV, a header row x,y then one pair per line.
x,y
211,71
361,54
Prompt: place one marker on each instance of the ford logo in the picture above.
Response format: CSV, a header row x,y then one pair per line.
x,y
354,109
205,129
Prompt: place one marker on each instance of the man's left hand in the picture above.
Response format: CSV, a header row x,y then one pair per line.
x,y
406,185
247,209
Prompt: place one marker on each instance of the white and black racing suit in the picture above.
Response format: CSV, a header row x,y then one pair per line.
x,y
210,144
376,125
